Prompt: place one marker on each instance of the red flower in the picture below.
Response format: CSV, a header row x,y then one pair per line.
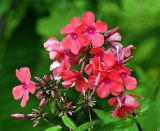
x,y
111,83
74,40
124,104
129,81
26,86
93,30
72,77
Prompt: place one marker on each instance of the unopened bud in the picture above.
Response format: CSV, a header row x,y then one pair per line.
x,y
52,93
46,77
39,94
69,105
18,115
56,87
42,102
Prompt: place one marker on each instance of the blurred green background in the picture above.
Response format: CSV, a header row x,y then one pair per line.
x,y
26,24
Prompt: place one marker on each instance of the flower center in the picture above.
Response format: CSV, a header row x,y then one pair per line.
x,y
123,74
74,35
108,80
91,30
24,86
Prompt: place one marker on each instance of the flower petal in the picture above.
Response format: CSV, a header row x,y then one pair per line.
x,y
81,85
76,46
17,92
31,87
103,90
75,22
130,82
23,74
113,101
97,40
67,42
101,26
109,59
67,29
88,18
24,99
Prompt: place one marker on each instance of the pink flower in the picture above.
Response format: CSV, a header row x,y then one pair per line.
x,y
21,91
74,40
124,104
93,30
72,78
58,67
54,47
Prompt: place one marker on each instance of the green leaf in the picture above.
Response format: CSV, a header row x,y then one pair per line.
x,y
52,106
104,116
86,125
54,128
113,122
69,122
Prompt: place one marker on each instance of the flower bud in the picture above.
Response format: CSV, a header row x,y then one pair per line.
x,y
42,102
56,87
39,94
52,94
18,115
46,77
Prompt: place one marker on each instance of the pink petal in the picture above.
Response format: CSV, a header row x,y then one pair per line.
x,y
130,102
130,82
17,92
88,18
101,26
75,22
88,69
97,40
67,84
76,46
114,37
127,50
109,59
24,99
23,74
113,101
49,43
31,87
67,29
84,39
67,42
81,85
103,90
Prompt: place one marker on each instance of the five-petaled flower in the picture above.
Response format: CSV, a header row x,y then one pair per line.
x,y
93,30
21,91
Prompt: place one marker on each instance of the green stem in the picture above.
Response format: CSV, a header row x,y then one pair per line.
x,y
90,116
137,122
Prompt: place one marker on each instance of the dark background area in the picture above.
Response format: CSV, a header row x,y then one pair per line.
x,y
26,24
